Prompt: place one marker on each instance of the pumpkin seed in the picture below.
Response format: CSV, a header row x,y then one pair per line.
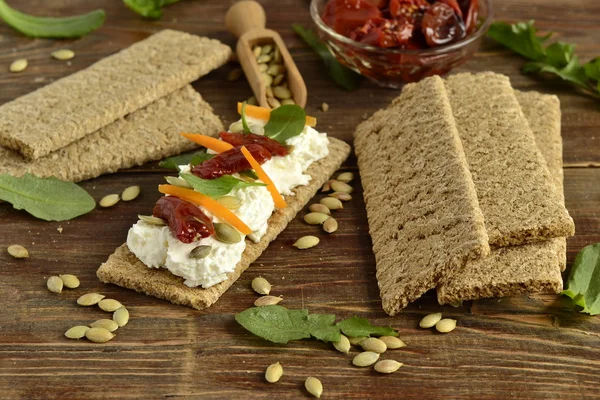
x,y
17,251
70,281
430,320
392,342
99,335
89,299
252,101
278,79
77,332
236,127
109,200
275,70
373,344
306,242
330,225
332,203
107,324
365,359
263,67
151,220
54,284
267,301
345,177
325,107
200,252
257,50
340,196
176,181
63,54
343,345
314,386
226,233
267,78
261,285
130,193
326,186
282,92
18,65
355,341
277,55
121,316
231,202
445,325
343,187
287,101
263,58
273,102
266,49
319,208
109,305
234,74
269,91
387,366
274,372
315,218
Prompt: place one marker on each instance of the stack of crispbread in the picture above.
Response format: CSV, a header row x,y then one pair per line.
x,y
511,150
124,110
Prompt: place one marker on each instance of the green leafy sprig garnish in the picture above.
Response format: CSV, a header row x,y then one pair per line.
x,y
151,9
217,187
583,285
285,122
192,159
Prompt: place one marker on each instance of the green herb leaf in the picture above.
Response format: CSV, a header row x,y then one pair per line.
x,y
322,327
245,125
183,159
356,326
275,323
151,9
583,285
285,122
217,187
572,72
520,38
49,199
250,174
592,69
343,76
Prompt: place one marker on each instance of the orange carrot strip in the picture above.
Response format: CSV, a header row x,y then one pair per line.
x,y
209,142
211,205
265,113
262,175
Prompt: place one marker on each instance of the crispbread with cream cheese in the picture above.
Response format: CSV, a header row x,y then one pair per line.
x,y
422,208
123,268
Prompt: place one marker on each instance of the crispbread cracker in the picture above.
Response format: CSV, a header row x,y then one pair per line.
x,y
528,268
67,110
151,133
516,193
124,269
424,219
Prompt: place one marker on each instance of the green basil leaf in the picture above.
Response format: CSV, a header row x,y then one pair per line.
x,y
520,38
48,27
592,69
275,323
285,122
250,174
49,199
151,9
183,159
322,327
343,76
356,326
245,125
217,187
583,285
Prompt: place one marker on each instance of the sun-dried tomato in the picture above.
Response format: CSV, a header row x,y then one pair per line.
x,y
185,220
441,25
230,161
471,15
411,10
239,139
384,33
454,5
346,15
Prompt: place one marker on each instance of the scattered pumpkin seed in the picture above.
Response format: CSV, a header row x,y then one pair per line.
x,y
257,50
387,366
152,220
314,386
234,74
332,203
273,102
326,186
343,187
107,324
130,193
319,208
63,54
343,345
236,127
325,107
109,200
99,335
121,316
445,325
315,218
266,49
355,341
373,344
231,202
430,320
392,342
345,177
18,65
261,285
274,372
365,359
287,101
267,301
281,92
17,251
54,284
278,79
70,281
306,242
109,305
200,252
176,181
89,299
77,332
226,233
330,225
252,101
340,196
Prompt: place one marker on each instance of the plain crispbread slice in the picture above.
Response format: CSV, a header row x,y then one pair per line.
x,y
516,193
124,269
67,110
528,268
424,219
151,133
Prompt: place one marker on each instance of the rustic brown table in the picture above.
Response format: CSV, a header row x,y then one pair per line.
x,y
522,347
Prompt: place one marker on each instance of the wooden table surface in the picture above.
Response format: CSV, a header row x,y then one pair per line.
x,y
523,347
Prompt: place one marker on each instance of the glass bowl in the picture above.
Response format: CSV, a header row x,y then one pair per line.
x,y
394,67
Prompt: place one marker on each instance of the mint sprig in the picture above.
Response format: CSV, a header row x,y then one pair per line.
x,y
583,285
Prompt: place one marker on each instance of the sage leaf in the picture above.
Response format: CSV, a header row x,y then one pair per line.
x,y
217,187
275,323
49,27
583,285
285,122
190,158
356,326
151,9
322,327
49,199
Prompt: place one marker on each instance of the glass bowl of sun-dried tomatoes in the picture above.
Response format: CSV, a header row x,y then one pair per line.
x,y
392,42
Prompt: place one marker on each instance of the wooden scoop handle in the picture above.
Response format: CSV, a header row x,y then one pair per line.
x,y
245,16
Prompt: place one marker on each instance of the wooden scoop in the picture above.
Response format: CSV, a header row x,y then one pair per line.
x,y
246,20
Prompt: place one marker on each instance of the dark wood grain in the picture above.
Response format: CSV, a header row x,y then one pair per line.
x,y
523,347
